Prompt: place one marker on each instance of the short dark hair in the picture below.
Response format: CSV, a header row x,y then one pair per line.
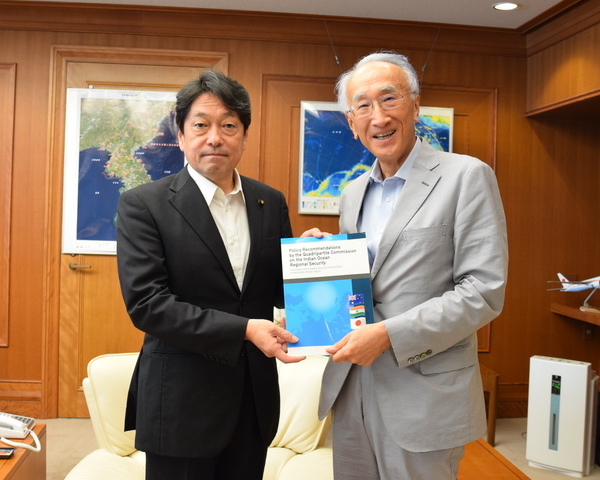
x,y
233,95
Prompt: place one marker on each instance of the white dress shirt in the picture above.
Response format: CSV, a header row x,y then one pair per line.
x,y
229,213
380,200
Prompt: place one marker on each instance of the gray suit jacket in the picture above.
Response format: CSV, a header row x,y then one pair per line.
x,y
439,276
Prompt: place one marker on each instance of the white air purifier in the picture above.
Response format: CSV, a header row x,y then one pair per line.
x,y
561,415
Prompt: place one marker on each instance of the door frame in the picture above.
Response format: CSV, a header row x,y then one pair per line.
x,y
63,58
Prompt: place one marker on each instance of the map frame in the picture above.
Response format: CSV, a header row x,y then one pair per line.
x,y
71,243
329,204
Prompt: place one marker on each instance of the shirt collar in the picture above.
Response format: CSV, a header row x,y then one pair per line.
x,y
404,170
209,189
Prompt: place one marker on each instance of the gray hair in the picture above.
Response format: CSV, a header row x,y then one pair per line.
x,y
388,57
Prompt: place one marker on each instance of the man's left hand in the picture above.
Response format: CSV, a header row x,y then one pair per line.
x,y
361,346
271,339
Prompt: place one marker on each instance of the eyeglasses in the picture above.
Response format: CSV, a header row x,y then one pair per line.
x,y
389,101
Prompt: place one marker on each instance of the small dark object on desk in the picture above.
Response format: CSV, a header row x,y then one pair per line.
x,y
6,453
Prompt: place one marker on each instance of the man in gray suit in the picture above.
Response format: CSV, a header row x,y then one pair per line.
x,y
406,390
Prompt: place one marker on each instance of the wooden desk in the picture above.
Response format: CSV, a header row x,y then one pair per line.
x,y
25,464
484,462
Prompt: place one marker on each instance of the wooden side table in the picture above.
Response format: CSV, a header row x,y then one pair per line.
x,y
484,462
490,386
25,464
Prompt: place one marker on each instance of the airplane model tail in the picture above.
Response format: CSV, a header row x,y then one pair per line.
x,y
562,278
564,282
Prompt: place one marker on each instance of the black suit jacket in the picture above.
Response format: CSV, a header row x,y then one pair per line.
x,y
179,288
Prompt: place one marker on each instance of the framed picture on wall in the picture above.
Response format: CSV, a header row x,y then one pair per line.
x,y
330,157
436,125
114,140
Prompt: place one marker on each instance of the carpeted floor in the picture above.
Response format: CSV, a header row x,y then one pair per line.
x,y
69,440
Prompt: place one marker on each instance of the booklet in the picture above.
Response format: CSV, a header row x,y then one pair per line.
x,y
327,289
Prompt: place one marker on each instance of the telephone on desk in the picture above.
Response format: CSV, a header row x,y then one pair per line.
x,y
16,426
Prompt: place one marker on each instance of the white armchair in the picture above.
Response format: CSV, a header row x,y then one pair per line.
x,y
105,390
299,450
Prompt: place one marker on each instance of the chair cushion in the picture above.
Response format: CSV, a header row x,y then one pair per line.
x,y
299,427
276,459
315,465
102,465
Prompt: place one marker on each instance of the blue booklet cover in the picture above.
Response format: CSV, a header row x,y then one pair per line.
x,y
327,289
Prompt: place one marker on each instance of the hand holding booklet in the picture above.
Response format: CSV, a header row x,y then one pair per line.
x,y
327,289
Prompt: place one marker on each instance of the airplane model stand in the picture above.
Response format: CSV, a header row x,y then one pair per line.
x,y
586,307
583,308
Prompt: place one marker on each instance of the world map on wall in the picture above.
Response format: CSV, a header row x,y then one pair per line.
x,y
122,143
331,157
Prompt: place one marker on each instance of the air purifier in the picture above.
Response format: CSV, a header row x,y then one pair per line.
x,y
561,415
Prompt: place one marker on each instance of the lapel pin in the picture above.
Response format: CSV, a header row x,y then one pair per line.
x,y
261,202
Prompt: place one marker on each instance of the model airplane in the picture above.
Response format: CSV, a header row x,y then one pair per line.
x,y
578,286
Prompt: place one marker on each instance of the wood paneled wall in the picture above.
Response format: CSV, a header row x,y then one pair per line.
x,y
563,66
548,169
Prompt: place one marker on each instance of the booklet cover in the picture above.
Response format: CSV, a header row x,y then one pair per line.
x,y
327,289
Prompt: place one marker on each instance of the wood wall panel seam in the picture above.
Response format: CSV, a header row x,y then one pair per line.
x,y
8,73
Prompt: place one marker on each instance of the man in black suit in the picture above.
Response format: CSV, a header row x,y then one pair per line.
x,y
200,270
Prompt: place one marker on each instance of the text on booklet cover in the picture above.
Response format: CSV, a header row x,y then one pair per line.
x,y
327,288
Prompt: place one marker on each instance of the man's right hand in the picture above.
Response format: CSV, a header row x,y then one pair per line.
x,y
315,232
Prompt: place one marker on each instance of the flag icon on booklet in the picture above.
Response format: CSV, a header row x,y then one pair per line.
x,y
356,308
